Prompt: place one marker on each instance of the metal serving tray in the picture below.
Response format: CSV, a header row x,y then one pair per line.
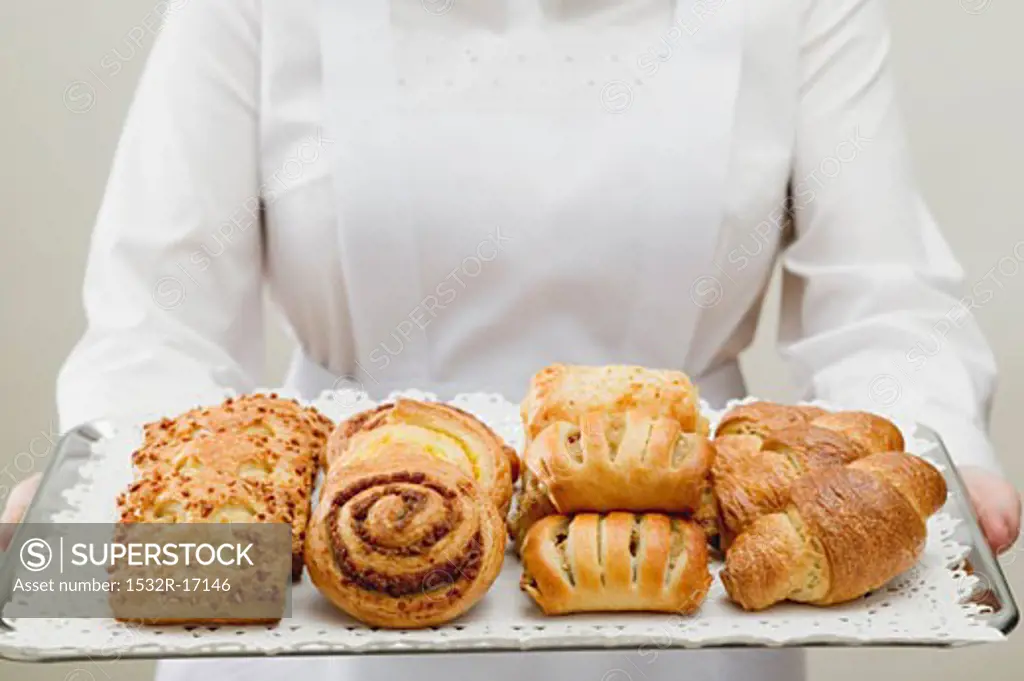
x,y
991,590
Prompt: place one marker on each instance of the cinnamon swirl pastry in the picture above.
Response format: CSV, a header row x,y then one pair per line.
x,y
404,540
615,562
440,430
565,393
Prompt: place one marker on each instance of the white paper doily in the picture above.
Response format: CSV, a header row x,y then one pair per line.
x,y
923,606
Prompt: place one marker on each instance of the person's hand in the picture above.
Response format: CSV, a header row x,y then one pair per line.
x,y
14,509
997,505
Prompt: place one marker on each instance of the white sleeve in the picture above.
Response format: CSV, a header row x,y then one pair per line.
x,y
172,288
873,314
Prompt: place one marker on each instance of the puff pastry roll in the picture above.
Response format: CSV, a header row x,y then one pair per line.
x,y
634,461
615,562
404,540
437,429
565,393
846,531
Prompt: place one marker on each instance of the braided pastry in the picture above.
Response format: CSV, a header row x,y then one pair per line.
x,y
403,539
752,475
615,562
846,531
441,430
763,447
868,432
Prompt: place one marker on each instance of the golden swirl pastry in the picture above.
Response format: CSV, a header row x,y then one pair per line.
x,y
615,562
441,430
404,540
566,393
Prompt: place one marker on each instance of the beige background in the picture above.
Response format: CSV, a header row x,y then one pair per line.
x,y
963,96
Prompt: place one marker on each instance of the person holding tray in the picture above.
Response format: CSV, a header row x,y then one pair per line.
x,y
449,194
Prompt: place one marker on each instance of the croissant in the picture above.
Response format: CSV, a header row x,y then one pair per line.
x,y
403,540
868,432
621,462
441,430
752,475
846,531
615,562
566,393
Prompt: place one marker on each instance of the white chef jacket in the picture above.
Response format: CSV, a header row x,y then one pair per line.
x,y
451,194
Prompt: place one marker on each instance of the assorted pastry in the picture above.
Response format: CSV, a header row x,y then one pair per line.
x,y
251,459
615,562
762,448
617,465
845,531
403,539
409,528
621,497
440,430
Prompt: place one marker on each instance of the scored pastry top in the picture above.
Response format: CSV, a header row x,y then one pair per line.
x,y
618,561
440,430
635,461
565,393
